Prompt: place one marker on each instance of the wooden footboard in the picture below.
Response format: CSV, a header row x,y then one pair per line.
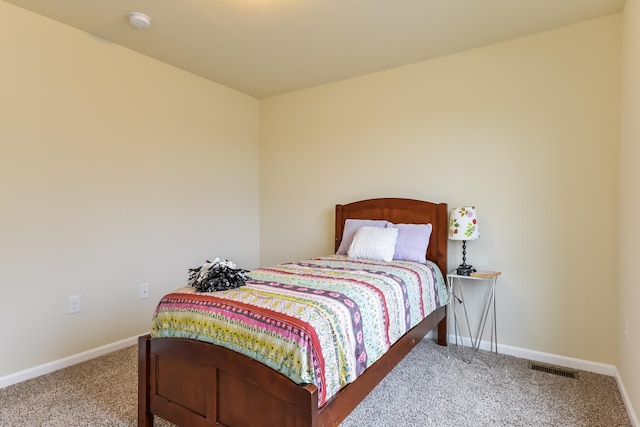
x,y
192,383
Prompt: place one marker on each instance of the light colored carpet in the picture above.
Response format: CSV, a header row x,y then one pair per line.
x,y
426,389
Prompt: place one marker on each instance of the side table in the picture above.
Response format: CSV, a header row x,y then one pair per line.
x,y
456,295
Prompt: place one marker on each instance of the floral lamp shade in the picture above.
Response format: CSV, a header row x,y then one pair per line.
x,y
463,224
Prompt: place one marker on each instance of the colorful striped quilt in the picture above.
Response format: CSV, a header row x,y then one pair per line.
x,y
321,321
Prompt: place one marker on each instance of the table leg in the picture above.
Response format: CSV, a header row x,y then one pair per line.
x,y
485,313
466,316
495,320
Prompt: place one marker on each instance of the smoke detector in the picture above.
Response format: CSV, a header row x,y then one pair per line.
x,y
139,20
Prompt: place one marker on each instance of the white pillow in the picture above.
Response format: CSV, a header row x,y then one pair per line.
x,y
373,243
350,228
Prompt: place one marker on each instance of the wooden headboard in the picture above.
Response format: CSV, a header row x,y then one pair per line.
x,y
402,211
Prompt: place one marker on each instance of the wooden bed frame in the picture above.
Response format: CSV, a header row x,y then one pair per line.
x,y
192,383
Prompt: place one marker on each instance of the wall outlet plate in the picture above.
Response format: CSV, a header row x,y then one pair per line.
x,y
144,290
74,304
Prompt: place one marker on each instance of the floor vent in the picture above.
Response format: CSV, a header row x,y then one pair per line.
x,y
553,370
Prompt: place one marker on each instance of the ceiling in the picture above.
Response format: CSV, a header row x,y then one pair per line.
x,y
269,47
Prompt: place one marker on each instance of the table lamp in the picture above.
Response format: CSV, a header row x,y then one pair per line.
x,y
463,225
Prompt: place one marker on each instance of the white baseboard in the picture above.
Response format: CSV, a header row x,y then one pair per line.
x,y
49,367
627,401
554,359
538,356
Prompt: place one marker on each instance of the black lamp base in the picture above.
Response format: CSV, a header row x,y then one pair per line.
x,y
465,270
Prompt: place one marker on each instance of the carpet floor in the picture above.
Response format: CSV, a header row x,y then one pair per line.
x,y
428,388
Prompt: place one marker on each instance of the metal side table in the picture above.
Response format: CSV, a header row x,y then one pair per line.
x,y
456,298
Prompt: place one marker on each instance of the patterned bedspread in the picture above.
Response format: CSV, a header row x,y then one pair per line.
x,y
321,321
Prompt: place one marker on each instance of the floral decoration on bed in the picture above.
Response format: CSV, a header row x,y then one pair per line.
x,y
321,321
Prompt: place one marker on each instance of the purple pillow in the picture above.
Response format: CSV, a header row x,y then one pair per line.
x,y
350,228
412,242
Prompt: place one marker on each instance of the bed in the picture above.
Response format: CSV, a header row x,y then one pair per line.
x,y
195,383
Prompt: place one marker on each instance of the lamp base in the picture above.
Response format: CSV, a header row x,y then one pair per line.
x,y
465,270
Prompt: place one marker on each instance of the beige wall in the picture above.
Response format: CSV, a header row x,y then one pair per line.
x,y
629,293
526,130
115,170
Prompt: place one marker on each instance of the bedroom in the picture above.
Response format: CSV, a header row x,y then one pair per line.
x,y
108,156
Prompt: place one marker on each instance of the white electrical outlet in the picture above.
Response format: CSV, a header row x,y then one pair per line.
x,y
144,290
74,304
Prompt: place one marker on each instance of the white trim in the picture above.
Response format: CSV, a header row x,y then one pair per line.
x,y
627,401
554,359
551,359
49,367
